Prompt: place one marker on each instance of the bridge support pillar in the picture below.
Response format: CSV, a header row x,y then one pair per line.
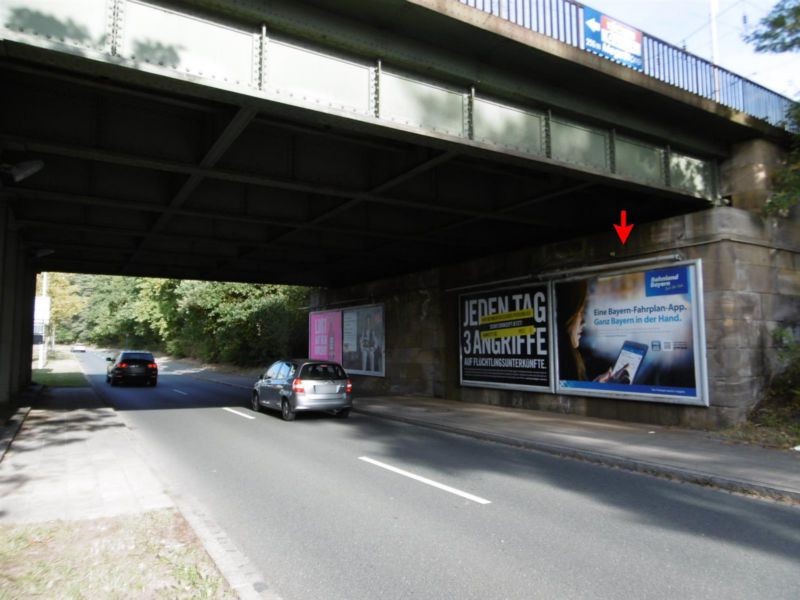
x,y
22,353
16,306
746,178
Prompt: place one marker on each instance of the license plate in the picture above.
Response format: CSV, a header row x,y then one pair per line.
x,y
326,388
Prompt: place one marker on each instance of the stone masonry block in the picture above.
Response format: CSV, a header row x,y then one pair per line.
x,y
735,333
719,275
780,308
726,362
738,277
788,282
722,251
752,255
725,220
733,305
743,394
755,278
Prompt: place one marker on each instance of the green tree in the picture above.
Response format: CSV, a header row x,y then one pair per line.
x,y
66,305
779,31
230,322
116,313
779,409
786,181
241,323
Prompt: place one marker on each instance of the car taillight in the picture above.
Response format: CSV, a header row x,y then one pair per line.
x,y
297,386
122,365
349,387
152,366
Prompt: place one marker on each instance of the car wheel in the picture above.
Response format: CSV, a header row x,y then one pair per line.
x,y
343,413
287,412
254,402
112,382
153,382
108,379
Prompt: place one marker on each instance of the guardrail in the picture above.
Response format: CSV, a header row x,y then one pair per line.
x,y
563,20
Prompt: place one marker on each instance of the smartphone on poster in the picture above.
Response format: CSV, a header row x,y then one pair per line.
x,y
630,358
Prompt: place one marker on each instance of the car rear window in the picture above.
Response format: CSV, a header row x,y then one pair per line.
x,y
322,371
144,356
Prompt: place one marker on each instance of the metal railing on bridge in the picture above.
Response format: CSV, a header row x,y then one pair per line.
x,y
565,21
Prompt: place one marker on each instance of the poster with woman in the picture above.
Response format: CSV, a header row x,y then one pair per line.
x,y
636,335
363,340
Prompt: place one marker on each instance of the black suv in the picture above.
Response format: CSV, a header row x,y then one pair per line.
x,y
131,365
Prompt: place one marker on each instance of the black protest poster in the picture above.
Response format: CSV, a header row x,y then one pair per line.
x,y
504,338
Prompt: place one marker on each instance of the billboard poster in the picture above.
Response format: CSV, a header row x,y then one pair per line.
x,y
504,338
325,335
363,340
636,335
612,39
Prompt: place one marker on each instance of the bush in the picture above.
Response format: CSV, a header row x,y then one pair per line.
x,y
780,407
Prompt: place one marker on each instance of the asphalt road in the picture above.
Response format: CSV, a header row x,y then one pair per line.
x,y
319,511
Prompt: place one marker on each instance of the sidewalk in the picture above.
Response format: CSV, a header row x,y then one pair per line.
x,y
82,513
680,454
73,458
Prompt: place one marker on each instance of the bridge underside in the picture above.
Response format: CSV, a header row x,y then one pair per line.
x,y
143,177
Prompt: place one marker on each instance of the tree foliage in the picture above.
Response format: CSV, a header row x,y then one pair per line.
x,y
779,31
67,303
229,322
786,181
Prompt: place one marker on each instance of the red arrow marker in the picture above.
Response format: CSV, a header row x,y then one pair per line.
x,y
623,229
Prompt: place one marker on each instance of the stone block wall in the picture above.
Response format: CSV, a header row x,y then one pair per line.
x,y
751,280
415,339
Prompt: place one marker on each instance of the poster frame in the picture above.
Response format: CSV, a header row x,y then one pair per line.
x,y
698,337
382,372
550,387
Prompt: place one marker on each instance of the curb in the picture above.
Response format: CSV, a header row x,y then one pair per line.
x,y
10,430
736,486
242,577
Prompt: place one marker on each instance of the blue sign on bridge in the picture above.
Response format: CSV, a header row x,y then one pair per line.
x,y
612,39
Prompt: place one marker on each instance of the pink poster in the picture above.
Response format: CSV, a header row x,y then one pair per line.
x,y
325,335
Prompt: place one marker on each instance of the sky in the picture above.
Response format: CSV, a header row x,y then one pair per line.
x,y
687,22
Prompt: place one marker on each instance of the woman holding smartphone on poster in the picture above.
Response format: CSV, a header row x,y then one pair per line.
x,y
570,321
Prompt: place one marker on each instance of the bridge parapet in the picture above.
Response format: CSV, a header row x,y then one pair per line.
x,y
567,21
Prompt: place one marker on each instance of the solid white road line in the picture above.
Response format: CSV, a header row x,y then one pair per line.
x,y
236,412
424,480
180,392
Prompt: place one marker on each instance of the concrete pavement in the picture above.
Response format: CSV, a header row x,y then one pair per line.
x,y
73,458
66,455
680,454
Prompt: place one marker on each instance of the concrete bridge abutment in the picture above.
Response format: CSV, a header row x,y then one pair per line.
x,y
751,287
746,177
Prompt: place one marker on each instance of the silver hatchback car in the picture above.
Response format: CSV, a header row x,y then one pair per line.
x,y
303,384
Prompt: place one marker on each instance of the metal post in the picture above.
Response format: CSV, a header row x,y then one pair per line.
x,y
43,345
262,59
548,142
714,10
377,90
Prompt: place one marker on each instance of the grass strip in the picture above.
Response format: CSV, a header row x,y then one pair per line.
x,y
150,555
58,379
